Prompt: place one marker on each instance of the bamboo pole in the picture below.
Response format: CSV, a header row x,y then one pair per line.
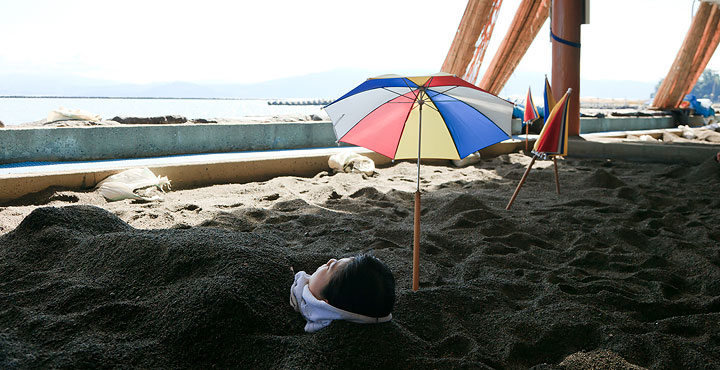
x,y
477,13
708,45
686,68
528,20
667,95
522,181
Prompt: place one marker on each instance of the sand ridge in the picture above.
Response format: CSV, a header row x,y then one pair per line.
x,y
621,268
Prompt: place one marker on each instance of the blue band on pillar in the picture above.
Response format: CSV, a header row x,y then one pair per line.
x,y
563,41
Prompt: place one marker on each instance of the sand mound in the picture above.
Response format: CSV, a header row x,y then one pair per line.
x,y
621,278
597,360
603,179
707,172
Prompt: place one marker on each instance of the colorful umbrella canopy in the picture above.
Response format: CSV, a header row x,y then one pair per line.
x,y
439,116
383,115
552,142
530,113
553,138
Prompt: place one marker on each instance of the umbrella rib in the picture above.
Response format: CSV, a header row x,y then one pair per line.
x,y
411,89
432,107
443,92
398,94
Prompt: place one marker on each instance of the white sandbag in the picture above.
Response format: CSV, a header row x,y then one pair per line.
x,y
647,138
123,185
351,162
470,159
687,132
64,114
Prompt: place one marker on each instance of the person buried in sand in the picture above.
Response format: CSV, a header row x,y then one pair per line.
x,y
359,289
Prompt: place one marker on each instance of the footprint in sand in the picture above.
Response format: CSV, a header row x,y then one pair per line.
x,y
271,197
229,221
290,205
367,193
455,346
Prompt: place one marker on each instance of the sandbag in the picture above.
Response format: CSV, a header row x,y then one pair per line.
x,y
470,159
351,162
124,185
64,114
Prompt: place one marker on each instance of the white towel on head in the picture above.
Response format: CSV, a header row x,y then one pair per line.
x,y
320,314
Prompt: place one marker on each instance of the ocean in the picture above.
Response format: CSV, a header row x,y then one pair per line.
x,y
18,110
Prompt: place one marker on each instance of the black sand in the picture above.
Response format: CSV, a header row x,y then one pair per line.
x,y
620,271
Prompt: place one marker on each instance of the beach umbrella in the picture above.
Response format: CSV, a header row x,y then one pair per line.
x,y
529,115
439,116
551,143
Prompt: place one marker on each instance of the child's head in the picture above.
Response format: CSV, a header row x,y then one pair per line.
x,y
360,284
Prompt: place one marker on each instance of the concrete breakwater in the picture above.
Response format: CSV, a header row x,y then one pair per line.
x,y
145,140
139,141
300,102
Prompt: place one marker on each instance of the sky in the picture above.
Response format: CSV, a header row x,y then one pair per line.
x,y
144,41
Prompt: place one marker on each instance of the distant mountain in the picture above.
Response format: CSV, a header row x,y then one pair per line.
x,y
327,85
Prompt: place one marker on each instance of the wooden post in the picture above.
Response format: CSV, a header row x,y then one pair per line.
x,y
567,15
557,178
517,190
416,244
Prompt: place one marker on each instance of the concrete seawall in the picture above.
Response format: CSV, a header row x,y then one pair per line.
x,y
138,141
258,152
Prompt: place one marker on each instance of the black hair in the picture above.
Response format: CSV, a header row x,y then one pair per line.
x,y
365,285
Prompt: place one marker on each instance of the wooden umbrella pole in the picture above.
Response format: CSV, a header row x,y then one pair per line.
x,y
527,133
557,178
517,190
416,223
416,246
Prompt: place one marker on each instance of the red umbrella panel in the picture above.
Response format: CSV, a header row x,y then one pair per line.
x,y
529,115
531,112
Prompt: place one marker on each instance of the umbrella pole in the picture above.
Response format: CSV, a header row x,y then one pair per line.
x,y
557,178
416,224
416,244
527,133
517,190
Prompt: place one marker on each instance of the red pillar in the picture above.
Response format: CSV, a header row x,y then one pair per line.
x,y
567,15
